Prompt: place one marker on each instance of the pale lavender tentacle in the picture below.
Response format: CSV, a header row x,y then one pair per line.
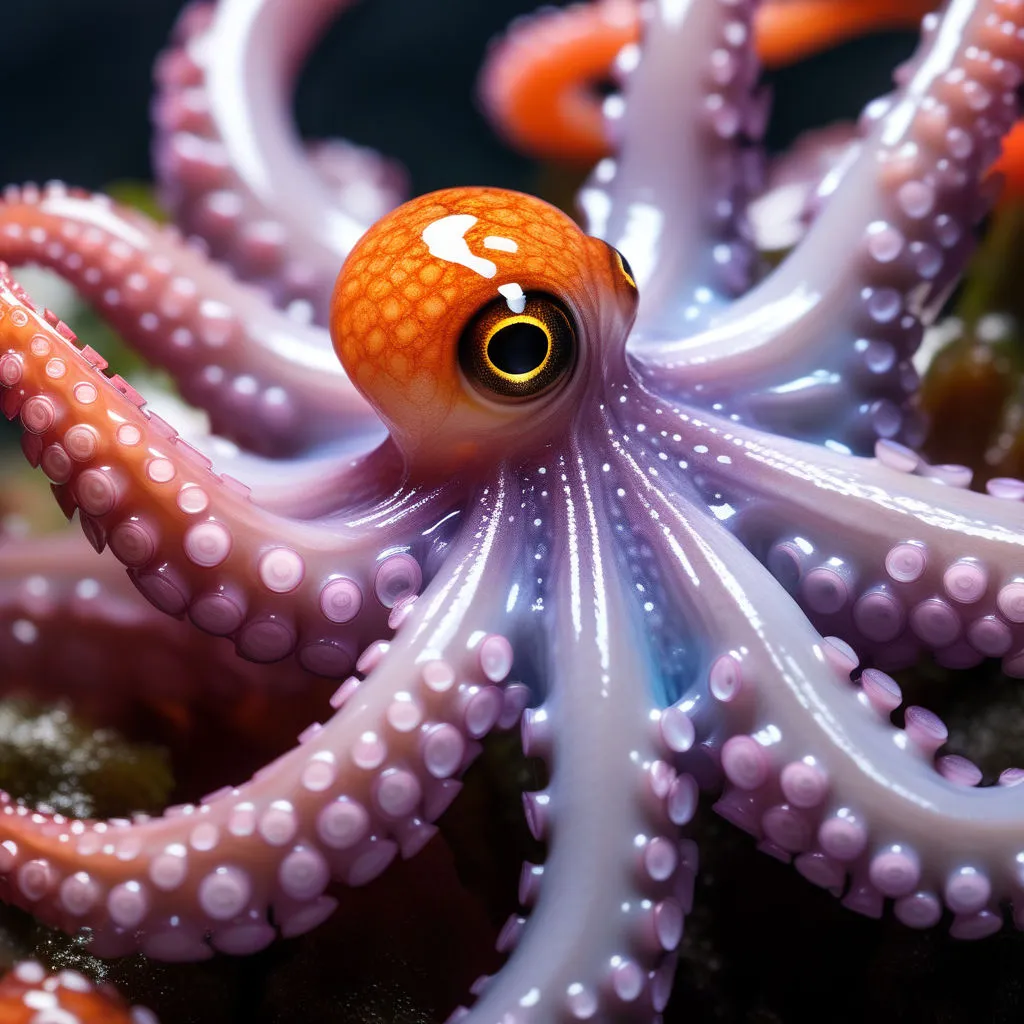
x,y
892,562
818,773
252,862
195,542
310,487
673,201
821,347
231,166
364,182
307,487
813,766
68,619
782,213
605,911
267,381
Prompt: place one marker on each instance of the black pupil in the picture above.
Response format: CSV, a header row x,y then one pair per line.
x,y
518,348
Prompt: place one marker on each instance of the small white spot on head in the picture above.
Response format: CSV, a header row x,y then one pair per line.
x,y
501,244
514,296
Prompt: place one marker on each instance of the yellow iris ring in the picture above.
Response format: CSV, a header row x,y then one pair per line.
x,y
517,378
490,370
624,267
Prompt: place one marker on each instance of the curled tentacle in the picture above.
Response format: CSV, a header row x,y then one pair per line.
x,y
68,619
821,347
231,166
606,916
674,200
30,994
195,542
250,862
539,81
267,381
890,561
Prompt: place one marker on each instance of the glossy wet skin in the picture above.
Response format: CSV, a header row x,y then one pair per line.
x,y
474,320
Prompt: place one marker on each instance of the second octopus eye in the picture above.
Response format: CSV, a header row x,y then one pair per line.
x,y
518,355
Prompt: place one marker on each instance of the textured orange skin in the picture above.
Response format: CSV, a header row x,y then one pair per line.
x,y
92,1007
398,312
538,83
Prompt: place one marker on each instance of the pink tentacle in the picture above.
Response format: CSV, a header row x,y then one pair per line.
x,y
194,542
69,619
893,562
252,862
267,382
231,167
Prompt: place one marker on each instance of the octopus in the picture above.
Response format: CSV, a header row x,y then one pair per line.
x,y
613,485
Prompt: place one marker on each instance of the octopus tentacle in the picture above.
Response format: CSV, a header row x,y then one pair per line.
x,y
230,165
68,618
267,382
537,84
860,805
606,917
673,201
250,862
30,994
308,488
821,347
890,561
193,541
814,767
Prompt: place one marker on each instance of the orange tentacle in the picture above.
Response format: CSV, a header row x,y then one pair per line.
x,y
1011,163
537,84
791,30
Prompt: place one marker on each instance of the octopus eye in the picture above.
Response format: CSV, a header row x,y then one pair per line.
x,y
521,354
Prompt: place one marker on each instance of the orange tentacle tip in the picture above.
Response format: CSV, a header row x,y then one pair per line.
x,y
1011,164
462,308
538,84
29,993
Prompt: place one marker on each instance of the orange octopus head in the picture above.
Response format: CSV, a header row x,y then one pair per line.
x,y
470,319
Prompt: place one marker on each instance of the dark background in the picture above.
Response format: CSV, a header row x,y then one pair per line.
x,y
395,74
